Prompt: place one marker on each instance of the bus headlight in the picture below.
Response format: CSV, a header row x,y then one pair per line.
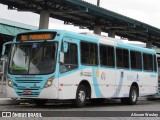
x,y
49,82
9,82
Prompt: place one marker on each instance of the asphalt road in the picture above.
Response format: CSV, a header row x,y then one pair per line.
x,y
114,105
26,105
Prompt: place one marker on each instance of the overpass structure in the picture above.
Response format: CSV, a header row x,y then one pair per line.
x,y
8,29
86,15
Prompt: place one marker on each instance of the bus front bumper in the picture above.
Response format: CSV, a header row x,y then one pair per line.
x,y
45,93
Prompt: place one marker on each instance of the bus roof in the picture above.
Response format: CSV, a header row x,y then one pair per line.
x,y
97,39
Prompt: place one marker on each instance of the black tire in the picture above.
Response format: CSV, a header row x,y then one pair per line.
x,y
40,102
81,96
133,97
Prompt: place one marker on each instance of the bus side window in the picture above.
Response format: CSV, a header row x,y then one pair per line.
x,y
147,62
136,60
107,56
119,56
89,53
70,58
122,56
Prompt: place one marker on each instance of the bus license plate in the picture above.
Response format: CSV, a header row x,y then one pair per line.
x,y
27,92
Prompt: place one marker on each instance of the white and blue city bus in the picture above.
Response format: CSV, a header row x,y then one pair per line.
x,y
62,65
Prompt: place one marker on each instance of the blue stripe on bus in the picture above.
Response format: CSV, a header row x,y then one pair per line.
x,y
96,86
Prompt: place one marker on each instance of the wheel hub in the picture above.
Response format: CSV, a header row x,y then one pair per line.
x,y
82,96
134,95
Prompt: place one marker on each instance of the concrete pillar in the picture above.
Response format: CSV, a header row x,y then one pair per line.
x,y
98,2
44,19
149,44
97,30
111,33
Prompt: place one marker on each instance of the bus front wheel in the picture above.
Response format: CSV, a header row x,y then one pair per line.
x,y
133,97
81,95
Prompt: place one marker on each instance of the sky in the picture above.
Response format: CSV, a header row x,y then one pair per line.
x,y
147,11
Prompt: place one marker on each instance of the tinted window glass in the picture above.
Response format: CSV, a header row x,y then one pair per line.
x,y
107,56
89,53
122,58
70,59
136,60
147,62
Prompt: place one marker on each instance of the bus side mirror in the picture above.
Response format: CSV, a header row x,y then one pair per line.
x,y
65,46
3,50
61,57
4,54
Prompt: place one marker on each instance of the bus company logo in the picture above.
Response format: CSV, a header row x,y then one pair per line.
x,y
122,74
103,76
35,85
137,77
6,114
86,74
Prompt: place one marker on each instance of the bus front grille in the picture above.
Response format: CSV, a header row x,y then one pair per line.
x,y
32,85
28,81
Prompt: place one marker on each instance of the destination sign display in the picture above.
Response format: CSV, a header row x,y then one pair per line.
x,y
36,36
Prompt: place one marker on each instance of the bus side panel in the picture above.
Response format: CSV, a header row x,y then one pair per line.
x,y
106,82
149,85
124,80
69,81
102,83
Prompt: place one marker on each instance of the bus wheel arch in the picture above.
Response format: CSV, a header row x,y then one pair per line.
x,y
136,85
88,87
133,95
82,93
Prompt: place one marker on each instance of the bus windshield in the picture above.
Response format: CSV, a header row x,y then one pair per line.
x,y
33,58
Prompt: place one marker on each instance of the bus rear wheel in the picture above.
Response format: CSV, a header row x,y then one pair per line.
x,y
81,95
133,97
